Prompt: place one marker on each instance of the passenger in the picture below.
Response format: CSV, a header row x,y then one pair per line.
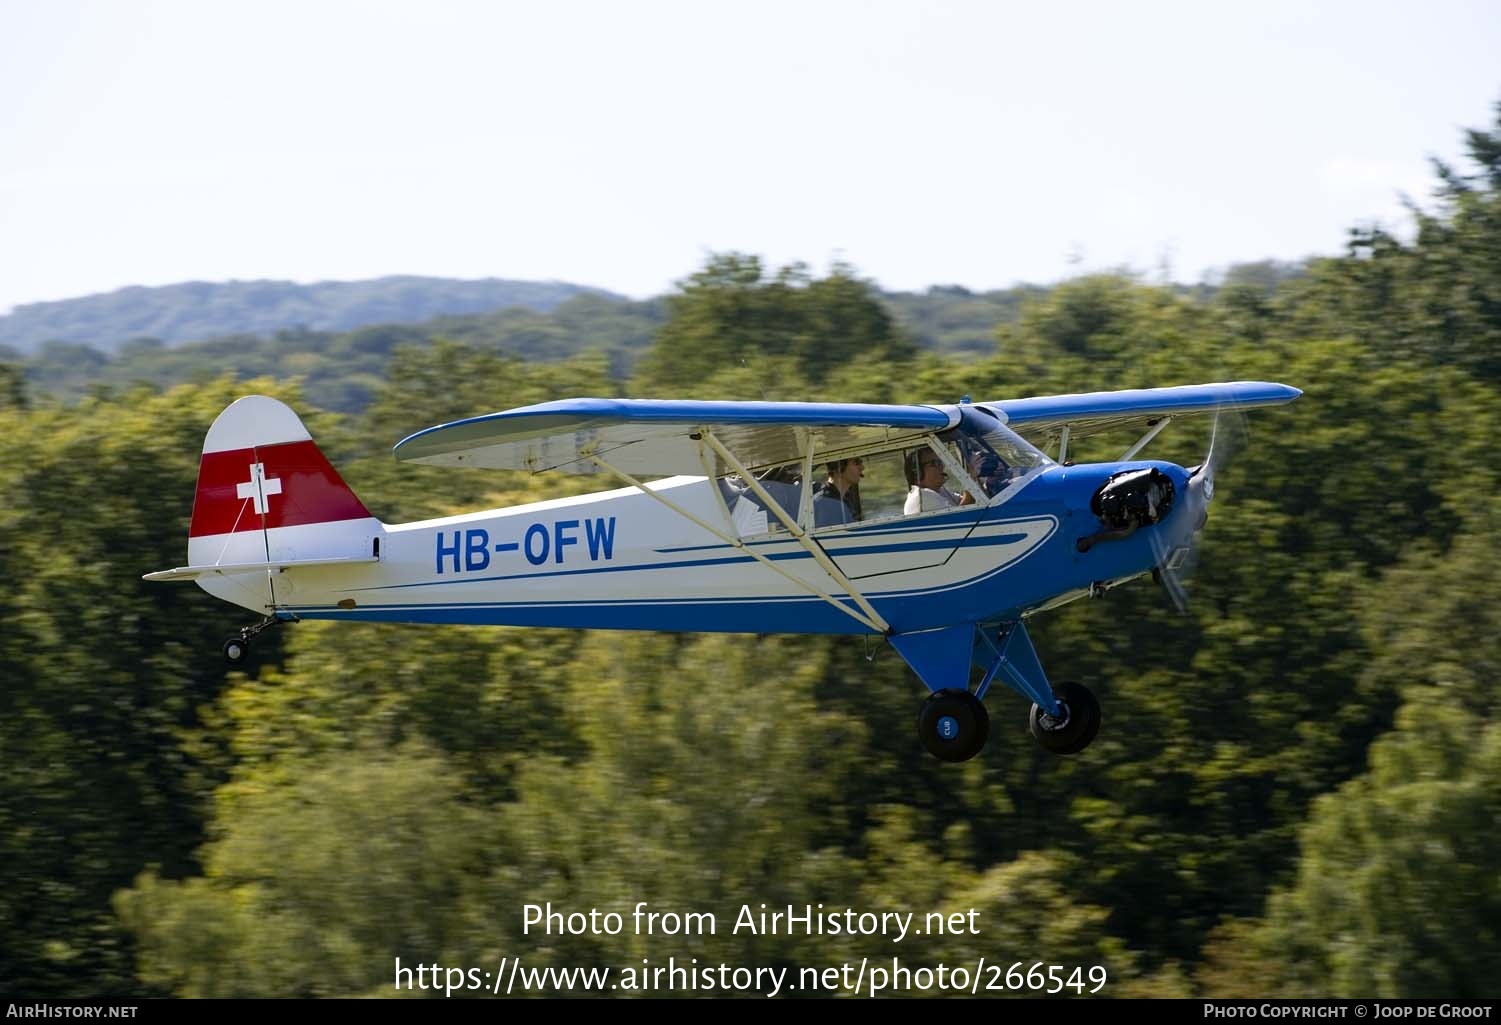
x,y
925,476
844,484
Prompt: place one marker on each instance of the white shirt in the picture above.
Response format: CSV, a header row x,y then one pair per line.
x,y
928,500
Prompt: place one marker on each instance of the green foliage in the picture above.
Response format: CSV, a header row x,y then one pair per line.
x,y
320,882
956,321
12,387
486,700
1428,621
1398,892
730,314
102,673
1436,300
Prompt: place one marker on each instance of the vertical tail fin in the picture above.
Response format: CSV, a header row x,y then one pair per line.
x,y
261,470
266,494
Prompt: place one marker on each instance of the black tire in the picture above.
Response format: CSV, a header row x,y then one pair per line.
x,y
1074,733
235,650
953,725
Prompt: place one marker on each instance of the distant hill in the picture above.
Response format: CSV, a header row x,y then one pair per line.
x,y
199,310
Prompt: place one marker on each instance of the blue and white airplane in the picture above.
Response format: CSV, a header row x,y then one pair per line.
x,y
940,528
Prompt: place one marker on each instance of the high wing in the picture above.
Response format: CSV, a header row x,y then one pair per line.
x,y
1043,420
662,437
649,436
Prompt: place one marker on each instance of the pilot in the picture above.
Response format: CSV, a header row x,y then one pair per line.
x,y
843,483
991,471
925,476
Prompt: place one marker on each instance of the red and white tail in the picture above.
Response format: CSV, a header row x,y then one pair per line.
x,y
261,470
267,501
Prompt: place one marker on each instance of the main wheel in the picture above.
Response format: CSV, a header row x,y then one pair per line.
x,y
1076,724
953,725
234,650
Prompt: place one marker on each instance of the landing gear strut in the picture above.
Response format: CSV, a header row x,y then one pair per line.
x,y
237,647
953,723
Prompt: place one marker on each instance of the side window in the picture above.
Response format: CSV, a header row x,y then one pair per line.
x,y
883,489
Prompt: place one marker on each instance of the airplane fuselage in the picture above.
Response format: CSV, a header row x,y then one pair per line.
x,y
622,560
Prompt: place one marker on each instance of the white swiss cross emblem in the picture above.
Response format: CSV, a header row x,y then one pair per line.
x,y
259,488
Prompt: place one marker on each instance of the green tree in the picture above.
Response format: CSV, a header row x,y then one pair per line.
x,y
319,882
731,315
12,386
1436,299
103,675
1398,892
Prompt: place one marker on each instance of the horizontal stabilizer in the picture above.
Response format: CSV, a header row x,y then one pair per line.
x,y
231,569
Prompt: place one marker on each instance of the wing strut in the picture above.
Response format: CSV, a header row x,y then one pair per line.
x,y
1141,442
876,623
809,545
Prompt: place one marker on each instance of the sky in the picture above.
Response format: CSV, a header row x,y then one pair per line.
x,y
619,144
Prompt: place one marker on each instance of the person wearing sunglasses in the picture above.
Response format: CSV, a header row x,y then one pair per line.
x,y
925,480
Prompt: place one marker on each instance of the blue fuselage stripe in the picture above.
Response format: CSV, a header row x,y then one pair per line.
x,y
841,552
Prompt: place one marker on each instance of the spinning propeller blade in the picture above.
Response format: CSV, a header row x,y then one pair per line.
x,y
1177,557
1227,436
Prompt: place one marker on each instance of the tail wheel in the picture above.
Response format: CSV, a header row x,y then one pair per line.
x,y
1074,727
953,725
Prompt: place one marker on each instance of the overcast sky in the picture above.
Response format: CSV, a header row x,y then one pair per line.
x,y
616,144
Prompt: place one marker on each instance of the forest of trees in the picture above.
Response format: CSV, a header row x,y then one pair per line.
x,y
1295,791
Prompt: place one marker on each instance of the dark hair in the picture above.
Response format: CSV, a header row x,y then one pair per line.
x,y
851,497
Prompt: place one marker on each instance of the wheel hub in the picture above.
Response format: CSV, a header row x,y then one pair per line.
x,y
953,725
1072,726
1053,723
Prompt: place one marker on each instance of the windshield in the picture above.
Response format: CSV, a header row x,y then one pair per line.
x,y
995,455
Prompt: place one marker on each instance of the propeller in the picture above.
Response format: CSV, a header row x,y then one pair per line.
x,y
1227,435
1177,551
